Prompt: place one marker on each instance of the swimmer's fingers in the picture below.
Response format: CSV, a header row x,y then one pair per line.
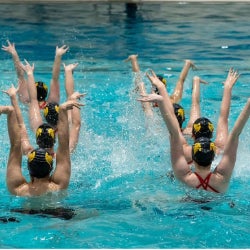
x,y
70,104
27,66
71,66
79,105
150,73
65,47
62,50
11,91
150,98
76,95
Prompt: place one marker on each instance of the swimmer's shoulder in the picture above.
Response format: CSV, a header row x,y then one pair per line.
x,y
29,189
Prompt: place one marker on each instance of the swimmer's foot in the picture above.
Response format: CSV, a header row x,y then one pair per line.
x,y
197,78
131,58
191,64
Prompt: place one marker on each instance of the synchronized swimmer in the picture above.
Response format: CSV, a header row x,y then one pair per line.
x,y
64,121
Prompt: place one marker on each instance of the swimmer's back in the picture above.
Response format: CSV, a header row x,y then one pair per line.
x,y
40,188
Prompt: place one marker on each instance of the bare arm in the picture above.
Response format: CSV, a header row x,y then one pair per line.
x,y
76,122
25,142
179,163
61,175
54,95
227,163
35,117
74,114
22,91
14,176
222,127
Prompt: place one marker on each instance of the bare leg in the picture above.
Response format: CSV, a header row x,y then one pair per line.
x,y
134,63
222,126
139,84
195,107
177,94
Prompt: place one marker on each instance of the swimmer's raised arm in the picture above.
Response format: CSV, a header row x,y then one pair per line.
x,y
22,91
54,95
228,160
222,125
14,176
69,80
61,175
74,114
35,117
179,163
25,142
76,122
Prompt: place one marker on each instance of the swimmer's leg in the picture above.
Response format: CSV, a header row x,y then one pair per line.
x,y
177,94
195,107
139,84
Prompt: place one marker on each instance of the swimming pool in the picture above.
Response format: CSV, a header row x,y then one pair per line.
x,y
119,188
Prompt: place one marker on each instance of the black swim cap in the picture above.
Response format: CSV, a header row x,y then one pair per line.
x,y
40,163
51,112
179,113
42,91
162,79
45,136
203,151
202,127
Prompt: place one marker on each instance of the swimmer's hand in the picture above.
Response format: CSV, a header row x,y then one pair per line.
x,y
232,77
27,67
151,98
155,80
10,48
71,67
62,50
11,91
70,104
76,96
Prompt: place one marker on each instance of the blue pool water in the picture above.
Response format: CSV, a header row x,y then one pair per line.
x,y
119,189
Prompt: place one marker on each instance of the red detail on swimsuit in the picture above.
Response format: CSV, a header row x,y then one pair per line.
x,y
42,105
190,162
204,182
